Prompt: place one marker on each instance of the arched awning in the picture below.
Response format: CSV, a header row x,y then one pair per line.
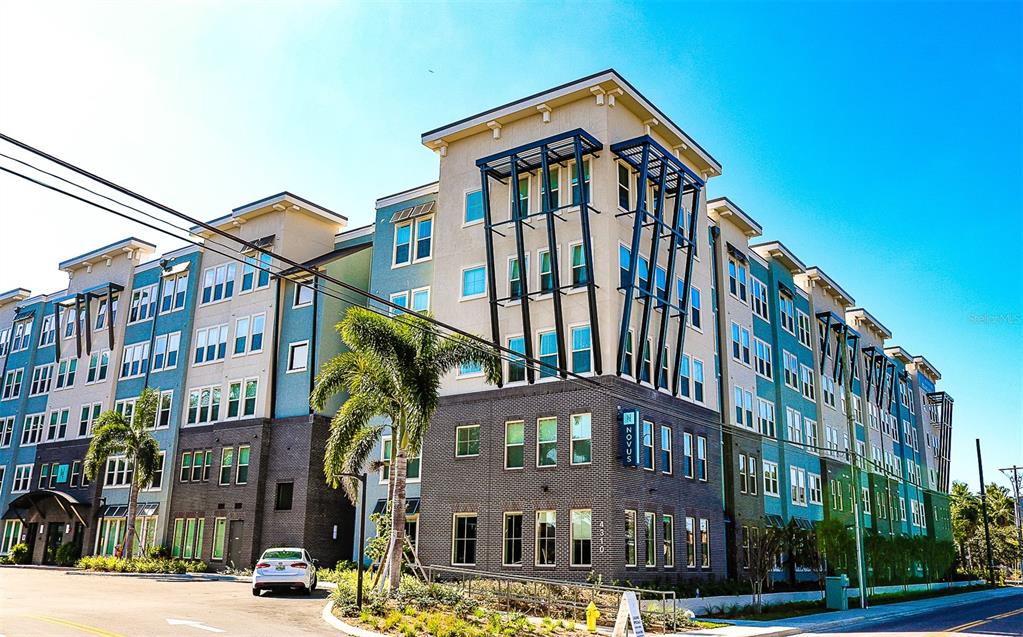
x,y
32,499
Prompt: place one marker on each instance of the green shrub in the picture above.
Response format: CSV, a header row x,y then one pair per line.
x,y
67,554
110,564
19,554
158,551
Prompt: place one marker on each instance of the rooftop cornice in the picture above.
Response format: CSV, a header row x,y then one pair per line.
x,y
725,208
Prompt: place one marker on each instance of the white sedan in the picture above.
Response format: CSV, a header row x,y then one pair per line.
x,y
280,568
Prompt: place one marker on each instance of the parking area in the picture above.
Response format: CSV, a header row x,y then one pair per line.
x,y
59,602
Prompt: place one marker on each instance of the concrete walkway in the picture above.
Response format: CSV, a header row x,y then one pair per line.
x,y
853,616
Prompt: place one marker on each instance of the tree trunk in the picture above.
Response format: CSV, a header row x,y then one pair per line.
x,y
133,504
397,520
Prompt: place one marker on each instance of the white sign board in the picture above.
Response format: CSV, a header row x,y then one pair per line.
x,y
628,613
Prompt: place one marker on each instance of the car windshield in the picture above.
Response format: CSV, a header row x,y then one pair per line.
x,y
282,554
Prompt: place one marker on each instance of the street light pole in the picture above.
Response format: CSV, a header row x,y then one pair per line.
x,y
362,535
1016,477
983,508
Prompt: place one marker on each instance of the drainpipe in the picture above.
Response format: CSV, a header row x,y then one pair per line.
x,y
313,340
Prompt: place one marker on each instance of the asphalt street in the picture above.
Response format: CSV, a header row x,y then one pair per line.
x,y
1002,616
37,602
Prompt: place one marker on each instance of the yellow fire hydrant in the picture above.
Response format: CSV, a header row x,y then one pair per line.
x,y
591,617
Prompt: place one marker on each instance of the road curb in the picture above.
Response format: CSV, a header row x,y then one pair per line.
x,y
352,631
209,577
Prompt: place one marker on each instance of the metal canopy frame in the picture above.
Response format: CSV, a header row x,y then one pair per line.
x,y
505,167
844,335
669,177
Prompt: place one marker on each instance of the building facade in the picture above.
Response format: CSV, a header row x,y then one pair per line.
x,y
670,382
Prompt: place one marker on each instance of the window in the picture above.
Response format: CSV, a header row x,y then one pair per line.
x,y
650,556
546,523
666,463
98,364
165,351
516,364
647,445
791,370
554,186
424,238
627,360
467,441
22,478
582,450
793,426
23,334
226,464
697,380
771,478
514,444
303,295
758,297
810,429
687,454
797,478
586,183
704,543
787,310
547,442
48,332
752,474
255,271
624,261
548,354
163,410
32,432
118,472
582,350
6,433
668,540
421,299
219,534
660,286
581,536
762,359
101,311
695,308
806,378
685,383
12,384
804,329
41,379
816,496
740,344
546,271
57,429
512,540
473,206
298,356
248,334
242,475
400,299
737,279
157,480
765,417
403,239
5,341
828,389
283,496
474,282
241,398
516,276
88,417
691,542
463,540
203,405
402,244
580,275
135,360
624,187
743,475
210,344
701,458
174,288
743,407
218,283
630,538
76,473
470,369
143,304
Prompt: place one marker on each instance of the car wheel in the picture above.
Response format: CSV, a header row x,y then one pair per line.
x,y
307,591
315,582
255,591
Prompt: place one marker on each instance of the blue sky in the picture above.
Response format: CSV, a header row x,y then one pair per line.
x,y
880,141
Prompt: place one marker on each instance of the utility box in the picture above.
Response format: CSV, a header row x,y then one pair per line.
x,y
836,592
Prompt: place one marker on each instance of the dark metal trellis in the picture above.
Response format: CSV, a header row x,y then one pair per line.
x,y
658,167
506,166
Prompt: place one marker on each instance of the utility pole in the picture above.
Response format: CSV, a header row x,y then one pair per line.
x,y
983,508
1016,478
854,463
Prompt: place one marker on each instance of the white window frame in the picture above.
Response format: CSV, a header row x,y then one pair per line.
x,y
292,346
461,282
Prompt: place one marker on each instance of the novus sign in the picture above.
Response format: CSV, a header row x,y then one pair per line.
x,y
628,436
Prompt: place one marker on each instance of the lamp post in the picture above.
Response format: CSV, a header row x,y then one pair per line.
x,y
361,477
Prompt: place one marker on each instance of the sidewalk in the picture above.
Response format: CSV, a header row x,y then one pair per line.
x,y
837,619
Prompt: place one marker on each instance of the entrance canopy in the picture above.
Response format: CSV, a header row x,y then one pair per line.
x,y
24,505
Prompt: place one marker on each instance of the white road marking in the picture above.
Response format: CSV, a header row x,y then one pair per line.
x,y
194,624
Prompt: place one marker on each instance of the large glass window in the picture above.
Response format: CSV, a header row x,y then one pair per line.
x,y
668,540
474,282
516,364
512,552
582,444
547,442
546,523
548,354
514,444
226,463
473,206
582,350
580,276
666,449
630,538
467,441
582,537
463,540
651,541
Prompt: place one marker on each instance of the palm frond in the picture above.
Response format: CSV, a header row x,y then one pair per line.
x,y
147,460
110,437
345,426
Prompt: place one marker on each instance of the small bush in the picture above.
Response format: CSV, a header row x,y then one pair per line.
x,y
67,554
110,564
157,552
19,554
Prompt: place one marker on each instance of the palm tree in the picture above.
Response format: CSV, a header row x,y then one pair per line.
x,y
393,368
117,435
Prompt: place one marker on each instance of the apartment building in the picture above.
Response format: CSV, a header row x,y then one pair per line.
x,y
670,382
